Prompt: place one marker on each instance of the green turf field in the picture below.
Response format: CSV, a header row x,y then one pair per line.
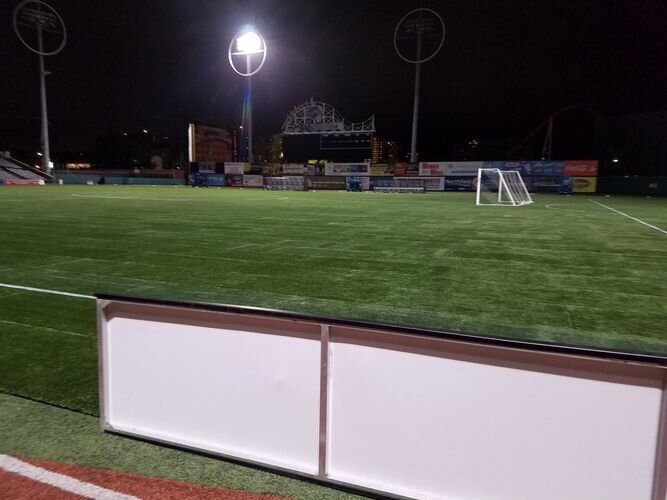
x,y
565,269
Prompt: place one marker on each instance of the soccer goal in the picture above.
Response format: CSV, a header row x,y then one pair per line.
x,y
498,187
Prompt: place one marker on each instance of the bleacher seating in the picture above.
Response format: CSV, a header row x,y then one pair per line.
x,y
5,174
22,173
12,169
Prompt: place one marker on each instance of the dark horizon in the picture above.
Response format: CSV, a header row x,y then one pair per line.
x,y
502,70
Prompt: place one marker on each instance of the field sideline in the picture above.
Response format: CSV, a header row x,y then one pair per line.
x,y
585,270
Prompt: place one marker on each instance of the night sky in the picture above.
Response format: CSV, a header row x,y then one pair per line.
x,y
503,68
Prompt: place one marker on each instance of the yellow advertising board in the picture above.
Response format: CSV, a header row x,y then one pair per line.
x,y
584,184
381,169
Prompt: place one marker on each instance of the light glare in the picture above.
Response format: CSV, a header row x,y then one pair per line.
x,y
249,43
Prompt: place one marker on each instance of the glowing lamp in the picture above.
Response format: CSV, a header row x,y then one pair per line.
x,y
249,43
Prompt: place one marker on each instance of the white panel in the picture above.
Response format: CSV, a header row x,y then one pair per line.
x,y
431,427
251,395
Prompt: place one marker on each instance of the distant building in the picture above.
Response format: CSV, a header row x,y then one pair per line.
x,y
276,149
71,160
385,151
235,144
377,155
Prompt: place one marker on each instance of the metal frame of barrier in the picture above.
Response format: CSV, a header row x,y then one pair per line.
x,y
387,410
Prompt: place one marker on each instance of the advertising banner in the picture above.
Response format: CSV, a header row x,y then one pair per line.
x,y
250,169
378,181
520,166
208,144
495,164
206,167
545,168
433,183
322,182
445,168
526,168
347,169
403,169
234,168
550,184
214,180
523,167
432,168
584,184
381,169
588,168
460,183
294,169
253,181
234,180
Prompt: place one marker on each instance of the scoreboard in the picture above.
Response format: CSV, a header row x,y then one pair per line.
x,y
341,147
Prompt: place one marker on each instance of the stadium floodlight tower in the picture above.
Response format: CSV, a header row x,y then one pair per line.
x,y
247,46
418,37
41,29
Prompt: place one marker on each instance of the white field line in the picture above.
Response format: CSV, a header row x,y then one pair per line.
x,y
127,198
102,197
65,332
557,206
60,481
44,290
629,216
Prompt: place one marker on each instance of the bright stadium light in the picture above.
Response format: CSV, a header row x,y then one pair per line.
x,y
41,29
247,53
418,37
249,43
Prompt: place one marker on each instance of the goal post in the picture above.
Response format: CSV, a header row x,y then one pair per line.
x,y
498,187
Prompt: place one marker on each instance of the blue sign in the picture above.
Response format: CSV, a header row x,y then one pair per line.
x,y
215,179
458,183
546,168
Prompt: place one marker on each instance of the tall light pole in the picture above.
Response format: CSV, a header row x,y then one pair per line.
x,y
37,16
247,45
420,32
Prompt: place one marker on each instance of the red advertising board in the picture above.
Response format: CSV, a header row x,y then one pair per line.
x,y
402,169
25,182
584,168
234,180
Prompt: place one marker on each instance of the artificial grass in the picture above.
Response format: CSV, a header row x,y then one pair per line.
x,y
48,349
56,434
561,270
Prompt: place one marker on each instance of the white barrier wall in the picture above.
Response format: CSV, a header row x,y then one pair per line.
x,y
383,409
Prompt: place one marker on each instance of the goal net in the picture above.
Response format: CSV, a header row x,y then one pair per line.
x,y
498,187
